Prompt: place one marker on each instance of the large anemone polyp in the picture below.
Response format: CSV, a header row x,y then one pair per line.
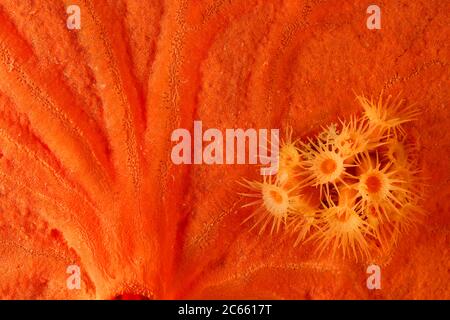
x,y
323,165
379,188
274,204
343,230
387,116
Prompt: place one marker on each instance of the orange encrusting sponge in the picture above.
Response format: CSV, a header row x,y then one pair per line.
x,y
367,177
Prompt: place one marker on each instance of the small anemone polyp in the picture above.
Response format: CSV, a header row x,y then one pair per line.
x,y
367,180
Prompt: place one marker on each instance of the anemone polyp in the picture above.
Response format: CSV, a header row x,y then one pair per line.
x,y
343,230
407,217
397,152
381,229
274,203
354,138
388,116
323,165
303,219
402,155
289,158
379,187
410,212
387,232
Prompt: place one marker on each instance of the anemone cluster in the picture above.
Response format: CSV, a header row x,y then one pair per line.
x,y
352,190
